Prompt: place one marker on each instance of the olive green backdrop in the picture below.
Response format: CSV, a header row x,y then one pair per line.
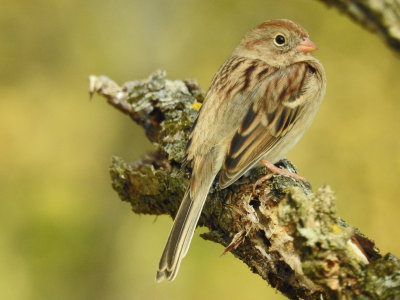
x,y
64,234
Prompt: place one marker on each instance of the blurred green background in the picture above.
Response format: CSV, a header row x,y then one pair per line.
x,y
64,234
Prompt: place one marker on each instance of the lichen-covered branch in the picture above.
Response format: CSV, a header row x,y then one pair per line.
x,y
379,16
283,231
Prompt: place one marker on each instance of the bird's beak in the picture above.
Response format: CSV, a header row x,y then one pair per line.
x,y
306,46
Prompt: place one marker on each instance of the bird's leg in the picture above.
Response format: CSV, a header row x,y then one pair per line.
x,y
274,170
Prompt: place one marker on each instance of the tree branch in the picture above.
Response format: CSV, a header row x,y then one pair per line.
x,y
283,231
379,16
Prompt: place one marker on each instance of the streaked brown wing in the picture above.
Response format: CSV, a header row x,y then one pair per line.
x,y
266,122
231,93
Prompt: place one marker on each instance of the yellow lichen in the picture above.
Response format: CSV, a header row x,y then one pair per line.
x,y
336,229
196,105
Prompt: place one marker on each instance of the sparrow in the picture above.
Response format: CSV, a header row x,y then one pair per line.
x,y
258,106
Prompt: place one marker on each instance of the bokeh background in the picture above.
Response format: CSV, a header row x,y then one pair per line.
x,y
64,234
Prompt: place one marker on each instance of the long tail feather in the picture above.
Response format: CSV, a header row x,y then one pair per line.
x,y
184,226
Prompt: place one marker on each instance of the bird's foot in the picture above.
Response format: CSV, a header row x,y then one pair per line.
x,y
274,170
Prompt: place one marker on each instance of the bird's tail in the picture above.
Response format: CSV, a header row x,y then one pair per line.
x,y
186,220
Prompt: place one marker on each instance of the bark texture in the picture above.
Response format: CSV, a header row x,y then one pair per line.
x,y
285,232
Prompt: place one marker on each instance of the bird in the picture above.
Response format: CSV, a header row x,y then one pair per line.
x,y
259,104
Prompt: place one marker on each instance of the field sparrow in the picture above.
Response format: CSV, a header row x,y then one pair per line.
x,y
259,104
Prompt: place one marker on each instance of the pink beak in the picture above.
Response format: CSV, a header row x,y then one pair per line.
x,y
306,46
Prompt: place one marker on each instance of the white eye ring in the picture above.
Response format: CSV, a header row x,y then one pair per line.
x,y
279,40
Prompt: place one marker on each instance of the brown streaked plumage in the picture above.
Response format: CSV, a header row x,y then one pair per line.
x,y
259,104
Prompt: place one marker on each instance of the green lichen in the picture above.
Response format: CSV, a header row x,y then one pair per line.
x,y
382,279
165,109
148,190
328,256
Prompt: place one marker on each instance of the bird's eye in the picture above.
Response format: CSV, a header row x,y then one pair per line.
x,y
279,40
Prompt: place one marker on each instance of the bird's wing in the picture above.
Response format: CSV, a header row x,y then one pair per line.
x,y
267,120
230,95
